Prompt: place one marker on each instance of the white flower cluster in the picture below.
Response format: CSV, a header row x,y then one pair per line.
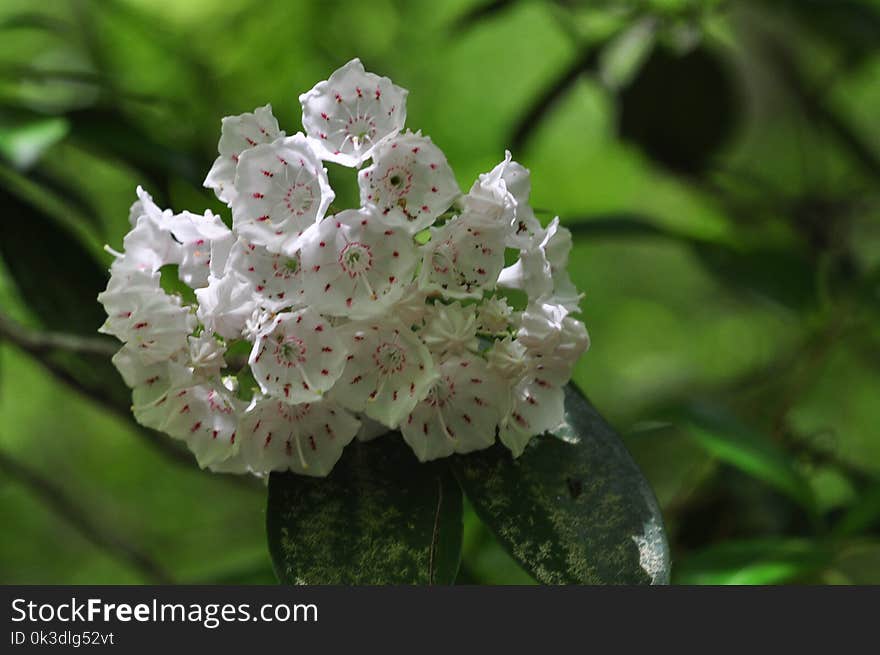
x,y
310,325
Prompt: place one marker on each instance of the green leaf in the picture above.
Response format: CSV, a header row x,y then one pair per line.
x,y
380,517
752,562
862,516
725,437
109,132
851,26
23,140
781,273
620,60
574,508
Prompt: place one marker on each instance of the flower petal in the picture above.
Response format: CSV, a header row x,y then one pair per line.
x,y
409,184
281,190
355,266
239,133
306,438
298,357
351,113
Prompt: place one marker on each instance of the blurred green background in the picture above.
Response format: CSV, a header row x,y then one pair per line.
x,y
718,163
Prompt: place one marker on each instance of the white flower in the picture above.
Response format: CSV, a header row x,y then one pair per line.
x,y
226,304
159,238
463,258
196,235
539,362
541,269
281,190
149,382
554,339
536,401
276,279
298,357
239,133
144,206
536,407
354,324
149,246
410,183
460,413
205,416
509,358
306,438
206,354
254,326
412,306
450,329
387,371
502,197
141,314
355,266
370,429
352,113
493,316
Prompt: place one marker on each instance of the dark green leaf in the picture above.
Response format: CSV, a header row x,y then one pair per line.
x,y
620,225
380,517
109,132
851,26
725,437
783,274
33,21
752,562
862,516
680,110
574,508
480,13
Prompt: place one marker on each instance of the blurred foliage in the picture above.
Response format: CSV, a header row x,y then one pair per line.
x,y
719,165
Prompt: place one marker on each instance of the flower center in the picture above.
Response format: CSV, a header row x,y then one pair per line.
x,y
218,403
356,259
285,269
360,129
294,412
389,358
441,393
444,257
396,181
290,351
299,198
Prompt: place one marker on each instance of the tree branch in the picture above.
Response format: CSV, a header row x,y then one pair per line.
x,y
41,342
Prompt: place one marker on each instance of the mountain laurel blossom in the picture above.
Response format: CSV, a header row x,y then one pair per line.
x,y
269,339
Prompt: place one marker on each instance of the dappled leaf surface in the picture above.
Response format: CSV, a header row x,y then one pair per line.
x,y
574,508
380,517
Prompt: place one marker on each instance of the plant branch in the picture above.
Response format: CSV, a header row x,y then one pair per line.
x,y
36,342
40,345
59,502
534,115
